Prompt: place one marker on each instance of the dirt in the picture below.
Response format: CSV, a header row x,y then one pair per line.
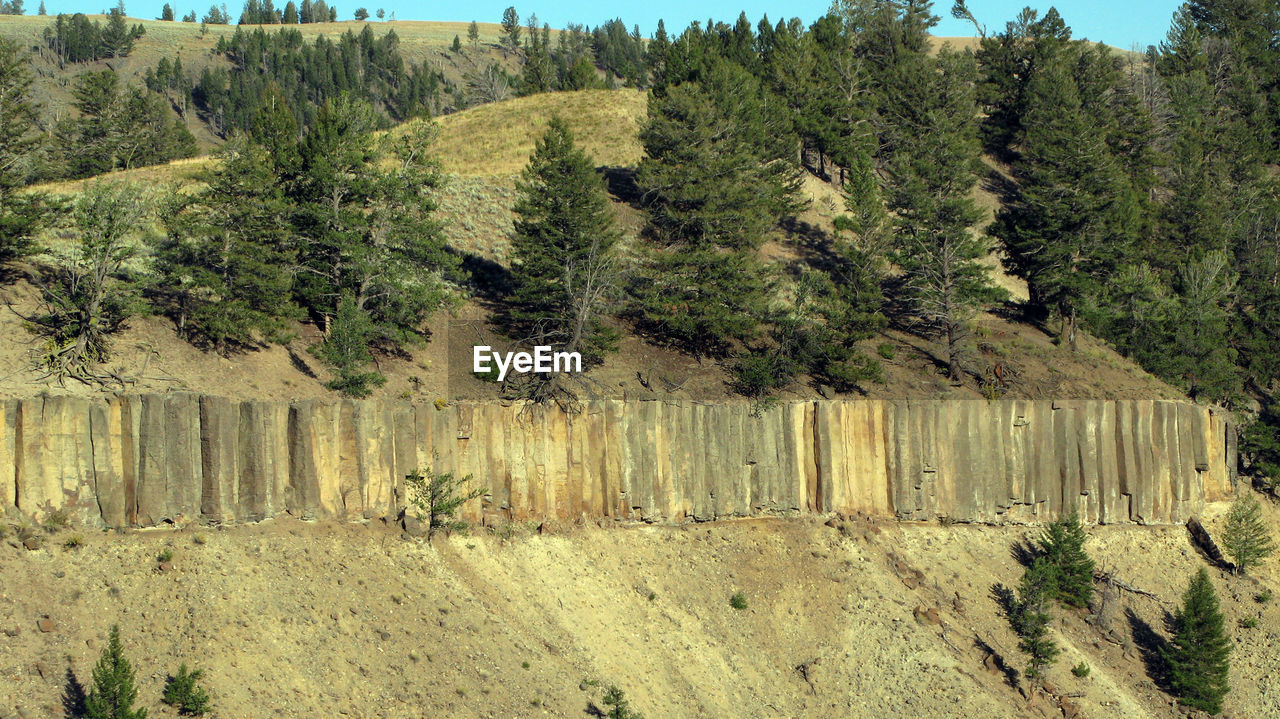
x,y
857,619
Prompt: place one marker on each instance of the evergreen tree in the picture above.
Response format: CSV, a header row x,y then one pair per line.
x,y
564,272
346,350
1069,225
225,263
1031,618
457,44
1062,547
1198,655
113,692
510,30
1245,537
718,175
473,34
166,13
21,213
290,15
365,205
931,176
361,14
41,11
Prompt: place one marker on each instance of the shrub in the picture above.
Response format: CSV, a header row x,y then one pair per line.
x,y
1080,670
738,601
113,692
886,350
619,708
181,691
438,498
1262,597
1247,622
1246,537
56,521
75,541
1197,656
165,555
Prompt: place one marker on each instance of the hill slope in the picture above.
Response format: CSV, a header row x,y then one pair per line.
x,y
895,620
483,150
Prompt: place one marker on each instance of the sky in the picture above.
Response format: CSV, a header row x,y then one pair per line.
x,y
1121,23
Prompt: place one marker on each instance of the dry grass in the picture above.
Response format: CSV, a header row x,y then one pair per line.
x,y
497,139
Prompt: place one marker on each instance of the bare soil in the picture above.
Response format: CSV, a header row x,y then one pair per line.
x,y
858,619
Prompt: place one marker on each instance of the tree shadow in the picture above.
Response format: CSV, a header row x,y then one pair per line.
x,y
488,280
1024,552
1005,599
1151,646
74,699
621,183
1010,672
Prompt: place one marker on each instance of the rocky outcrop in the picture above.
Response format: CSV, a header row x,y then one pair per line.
x,y
142,460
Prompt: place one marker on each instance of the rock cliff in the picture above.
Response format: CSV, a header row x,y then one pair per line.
x,y
139,460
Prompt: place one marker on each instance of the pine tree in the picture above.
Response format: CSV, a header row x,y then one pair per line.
x,y
931,175
1031,618
113,692
290,15
166,13
224,264
718,175
565,271
1062,547
510,30
1070,223
1245,537
473,34
1198,655
346,350
457,44
21,213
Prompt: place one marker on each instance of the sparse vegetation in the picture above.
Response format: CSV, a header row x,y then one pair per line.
x,y
182,692
738,601
618,706
165,555
438,497
1080,670
113,692
1246,538
75,541
1263,597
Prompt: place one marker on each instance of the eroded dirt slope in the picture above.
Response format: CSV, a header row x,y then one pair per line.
x,y
859,620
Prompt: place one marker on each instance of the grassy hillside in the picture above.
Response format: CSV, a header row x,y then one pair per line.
x,y
483,150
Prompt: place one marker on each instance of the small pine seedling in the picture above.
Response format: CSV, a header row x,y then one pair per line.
x,y
738,601
113,691
1080,670
182,692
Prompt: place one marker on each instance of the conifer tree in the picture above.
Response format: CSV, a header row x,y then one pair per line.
x,y
564,271
113,692
346,350
1069,225
457,44
166,12
290,15
473,34
1245,537
1198,654
931,175
224,265
718,175
1031,619
21,213
1062,547
510,30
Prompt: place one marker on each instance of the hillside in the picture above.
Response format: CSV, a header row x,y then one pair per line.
x,y
865,620
483,150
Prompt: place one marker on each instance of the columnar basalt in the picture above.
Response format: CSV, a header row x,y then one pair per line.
x,y
145,459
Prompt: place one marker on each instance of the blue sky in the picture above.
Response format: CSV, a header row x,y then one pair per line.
x,y
1115,22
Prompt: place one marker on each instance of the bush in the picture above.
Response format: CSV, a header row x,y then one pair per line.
x,y
438,498
1263,597
619,708
75,541
113,692
165,555
738,601
181,691
1246,537
1081,670
886,350
1247,622
57,521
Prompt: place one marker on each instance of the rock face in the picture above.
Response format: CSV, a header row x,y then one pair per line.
x,y
142,460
